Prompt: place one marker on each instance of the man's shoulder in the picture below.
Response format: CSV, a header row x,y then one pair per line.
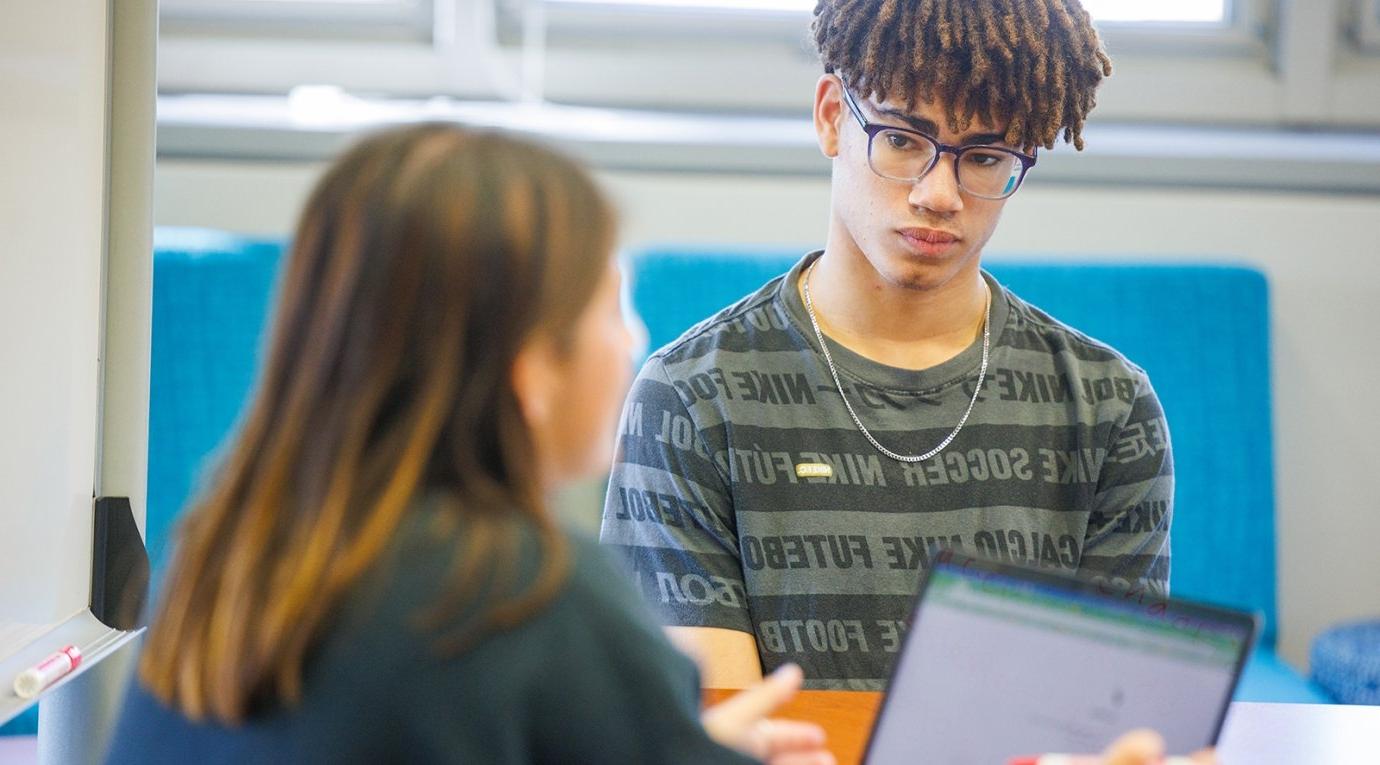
x,y
1031,329
754,324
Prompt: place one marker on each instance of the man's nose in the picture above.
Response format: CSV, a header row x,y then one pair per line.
x,y
937,191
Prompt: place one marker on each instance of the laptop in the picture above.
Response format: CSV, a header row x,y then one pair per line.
x,y
1001,663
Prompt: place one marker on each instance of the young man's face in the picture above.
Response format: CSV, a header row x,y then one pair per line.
x,y
917,235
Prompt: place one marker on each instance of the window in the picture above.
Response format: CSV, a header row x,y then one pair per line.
x,y
1160,11
1174,58
801,6
1155,25
336,19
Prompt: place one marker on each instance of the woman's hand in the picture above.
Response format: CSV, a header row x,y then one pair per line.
x,y
1139,747
1146,747
741,723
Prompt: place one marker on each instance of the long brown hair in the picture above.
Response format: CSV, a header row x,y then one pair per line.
x,y
424,260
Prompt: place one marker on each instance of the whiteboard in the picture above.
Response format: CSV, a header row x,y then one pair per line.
x,y
52,235
59,98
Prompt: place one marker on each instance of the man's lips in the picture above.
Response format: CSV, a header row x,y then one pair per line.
x,y
928,242
929,235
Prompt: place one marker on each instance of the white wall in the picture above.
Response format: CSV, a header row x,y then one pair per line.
x,y
1319,251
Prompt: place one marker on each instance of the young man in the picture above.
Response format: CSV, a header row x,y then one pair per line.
x,y
789,466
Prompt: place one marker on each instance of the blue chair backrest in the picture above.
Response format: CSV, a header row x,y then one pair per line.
x,y
211,294
1200,331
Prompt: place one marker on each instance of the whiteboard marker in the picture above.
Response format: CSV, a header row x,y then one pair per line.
x,y
32,681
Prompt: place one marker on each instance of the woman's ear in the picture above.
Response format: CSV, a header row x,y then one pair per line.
x,y
534,376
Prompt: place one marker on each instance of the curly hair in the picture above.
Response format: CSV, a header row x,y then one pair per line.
x,y
1031,64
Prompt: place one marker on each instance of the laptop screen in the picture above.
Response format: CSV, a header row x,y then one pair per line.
x,y
1000,664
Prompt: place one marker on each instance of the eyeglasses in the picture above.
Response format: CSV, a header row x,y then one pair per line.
x,y
901,154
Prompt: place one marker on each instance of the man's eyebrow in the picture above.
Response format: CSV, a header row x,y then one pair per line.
x,y
982,139
927,126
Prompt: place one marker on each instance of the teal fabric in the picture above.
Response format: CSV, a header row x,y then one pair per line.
x,y
211,293
1268,678
1345,660
26,724
1200,331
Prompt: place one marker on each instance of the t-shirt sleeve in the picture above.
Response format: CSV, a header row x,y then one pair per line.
x,y
1127,540
669,511
618,692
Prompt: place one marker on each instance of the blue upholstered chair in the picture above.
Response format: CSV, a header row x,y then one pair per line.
x,y
1200,331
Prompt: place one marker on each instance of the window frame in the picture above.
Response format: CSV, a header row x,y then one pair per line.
x,y
387,20
473,52
459,57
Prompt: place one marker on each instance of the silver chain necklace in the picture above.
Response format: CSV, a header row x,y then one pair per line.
x,y
829,358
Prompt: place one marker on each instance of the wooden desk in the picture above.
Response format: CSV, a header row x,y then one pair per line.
x,y
1255,734
846,717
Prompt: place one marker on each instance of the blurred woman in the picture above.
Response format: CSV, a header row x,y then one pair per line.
x,y
373,574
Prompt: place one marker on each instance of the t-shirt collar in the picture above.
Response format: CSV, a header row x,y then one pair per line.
x,y
850,364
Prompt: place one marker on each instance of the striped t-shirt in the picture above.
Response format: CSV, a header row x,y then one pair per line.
x,y
743,495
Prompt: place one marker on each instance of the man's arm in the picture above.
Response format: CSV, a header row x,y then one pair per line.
x,y
1127,541
669,515
727,658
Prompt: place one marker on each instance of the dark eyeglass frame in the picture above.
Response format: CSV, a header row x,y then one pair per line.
x,y
874,128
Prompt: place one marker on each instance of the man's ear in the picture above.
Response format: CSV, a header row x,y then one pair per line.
x,y
534,377
828,114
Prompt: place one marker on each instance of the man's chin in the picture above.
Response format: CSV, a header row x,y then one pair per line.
x,y
922,274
